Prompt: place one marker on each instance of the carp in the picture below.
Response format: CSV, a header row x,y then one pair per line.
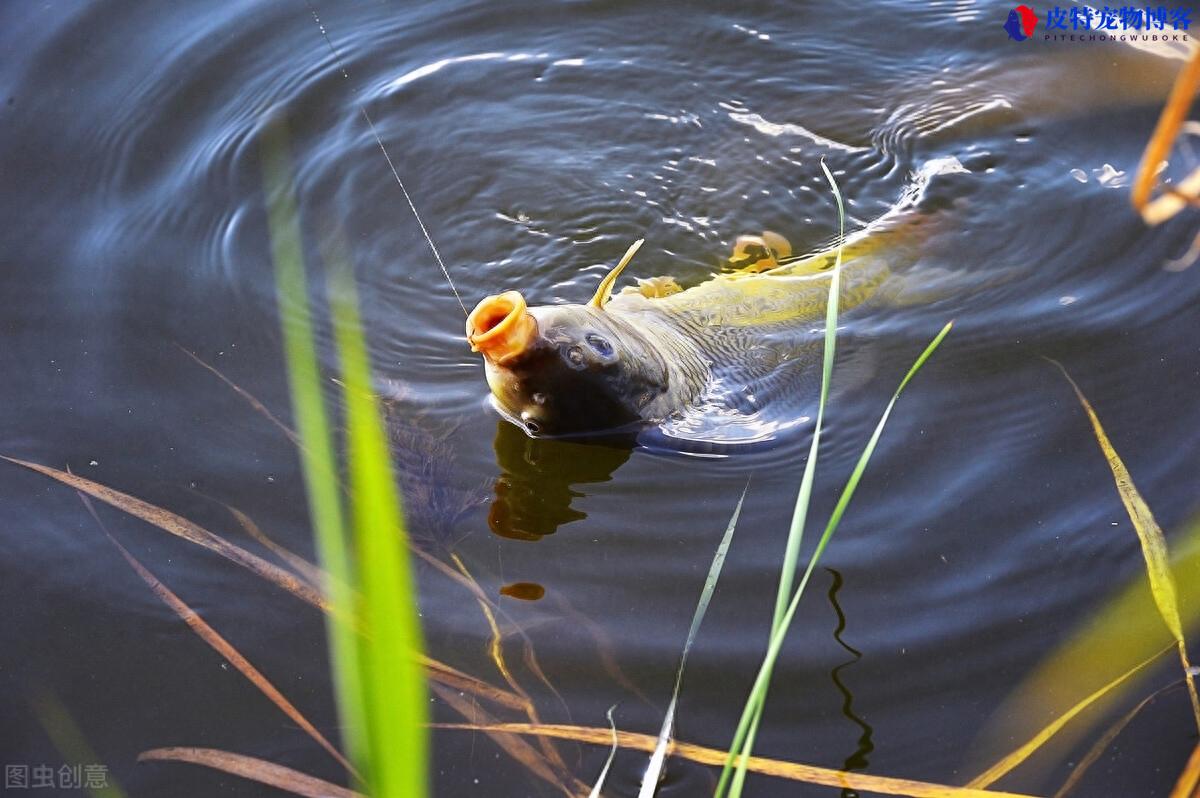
x,y
655,353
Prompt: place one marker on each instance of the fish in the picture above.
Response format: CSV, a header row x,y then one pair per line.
x,y
655,352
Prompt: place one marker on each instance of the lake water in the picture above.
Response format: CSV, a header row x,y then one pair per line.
x,y
538,142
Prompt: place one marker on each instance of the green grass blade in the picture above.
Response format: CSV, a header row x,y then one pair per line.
x,y
397,703
658,758
380,688
66,736
804,496
759,691
317,458
745,734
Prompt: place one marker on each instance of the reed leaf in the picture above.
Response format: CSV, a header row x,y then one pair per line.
x,y
1105,740
305,569
1152,540
1186,191
793,771
1188,784
657,759
381,695
395,694
758,692
510,742
1124,630
745,735
316,448
67,737
226,649
1022,753
183,528
250,398
252,768
177,525
496,652
612,754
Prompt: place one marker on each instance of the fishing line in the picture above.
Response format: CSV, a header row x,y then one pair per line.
x,y
337,57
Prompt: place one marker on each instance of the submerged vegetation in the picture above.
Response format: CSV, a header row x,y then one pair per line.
x,y
373,629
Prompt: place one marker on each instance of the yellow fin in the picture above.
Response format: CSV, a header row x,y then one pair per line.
x,y
759,253
604,291
780,247
656,287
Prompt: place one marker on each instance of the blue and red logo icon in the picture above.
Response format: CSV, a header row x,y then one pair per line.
x,y
1020,24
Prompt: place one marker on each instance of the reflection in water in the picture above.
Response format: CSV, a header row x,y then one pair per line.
x,y
426,464
537,477
857,760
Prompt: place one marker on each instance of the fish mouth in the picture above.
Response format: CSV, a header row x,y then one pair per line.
x,y
501,327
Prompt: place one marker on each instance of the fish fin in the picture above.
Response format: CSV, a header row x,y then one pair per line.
x,y
780,247
809,264
755,254
654,287
604,290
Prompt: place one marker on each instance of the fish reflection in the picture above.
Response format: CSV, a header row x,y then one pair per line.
x,y
538,477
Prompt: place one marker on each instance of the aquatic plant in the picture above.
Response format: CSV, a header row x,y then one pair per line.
x,y
733,773
67,737
1153,545
1169,202
373,629
368,505
1119,642
612,754
713,757
1156,203
654,770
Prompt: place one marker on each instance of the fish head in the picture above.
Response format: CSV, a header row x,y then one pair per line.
x,y
565,369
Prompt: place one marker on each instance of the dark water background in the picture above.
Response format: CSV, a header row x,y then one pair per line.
x,y
538,141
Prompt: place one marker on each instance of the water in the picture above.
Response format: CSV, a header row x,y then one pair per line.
x,y
537,144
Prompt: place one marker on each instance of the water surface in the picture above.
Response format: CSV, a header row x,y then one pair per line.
x,y
537,143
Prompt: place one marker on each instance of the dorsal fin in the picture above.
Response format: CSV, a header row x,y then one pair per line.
x,y
604,290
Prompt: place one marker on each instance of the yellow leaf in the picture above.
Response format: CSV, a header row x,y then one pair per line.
x,y
1189,779
1154,544
756,764
1025,751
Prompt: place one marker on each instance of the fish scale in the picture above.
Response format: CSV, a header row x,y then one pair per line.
x,y
757,334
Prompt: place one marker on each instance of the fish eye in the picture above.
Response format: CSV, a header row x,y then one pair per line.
x,y
600,344
533,427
